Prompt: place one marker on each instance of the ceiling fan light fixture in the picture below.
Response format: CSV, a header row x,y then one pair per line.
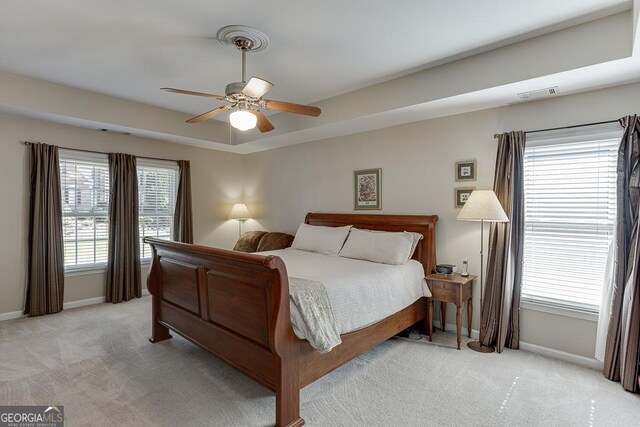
x,y
244,98
243,120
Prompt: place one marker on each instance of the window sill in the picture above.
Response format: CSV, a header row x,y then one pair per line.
x,y
100,269
85,271
558,311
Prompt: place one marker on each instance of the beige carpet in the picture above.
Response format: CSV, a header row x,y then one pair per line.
x,y
97,362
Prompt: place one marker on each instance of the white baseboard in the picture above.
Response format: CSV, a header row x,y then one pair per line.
x,y
83,302
537,349
11,315
66,306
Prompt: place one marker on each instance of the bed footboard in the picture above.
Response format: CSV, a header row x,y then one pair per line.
x,y
234,305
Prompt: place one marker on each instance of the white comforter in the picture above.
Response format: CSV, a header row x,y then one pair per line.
x,y
361,293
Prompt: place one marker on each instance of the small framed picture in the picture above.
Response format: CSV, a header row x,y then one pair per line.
x,y
367,189
461,195
466,171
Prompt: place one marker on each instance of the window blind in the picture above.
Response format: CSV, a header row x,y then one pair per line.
x,y
84,184
570,209
157,189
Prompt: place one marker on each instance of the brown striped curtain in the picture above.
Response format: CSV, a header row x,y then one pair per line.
x,y
123,265
183,216
621,361
500,316
45,264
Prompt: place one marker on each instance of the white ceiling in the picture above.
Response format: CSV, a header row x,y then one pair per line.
x,y
367,64
131,48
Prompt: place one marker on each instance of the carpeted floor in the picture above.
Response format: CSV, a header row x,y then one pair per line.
x,y
97,362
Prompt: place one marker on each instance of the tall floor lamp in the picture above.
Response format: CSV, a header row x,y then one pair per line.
x,y
240,212
482,205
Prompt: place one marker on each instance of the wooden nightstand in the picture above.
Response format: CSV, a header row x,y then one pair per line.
x,y
456,290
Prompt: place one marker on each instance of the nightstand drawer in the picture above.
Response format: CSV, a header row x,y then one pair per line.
x,y
441,293
435,284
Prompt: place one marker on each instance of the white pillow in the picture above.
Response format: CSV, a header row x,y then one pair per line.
x,y
378,246
315,238
416,239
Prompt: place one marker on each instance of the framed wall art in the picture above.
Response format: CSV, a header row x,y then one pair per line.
x,y
461,195
466,170
367,189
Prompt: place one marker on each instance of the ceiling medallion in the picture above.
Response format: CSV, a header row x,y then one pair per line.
x,y
231,34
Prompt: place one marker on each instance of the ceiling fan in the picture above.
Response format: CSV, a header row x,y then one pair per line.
x,y
245,98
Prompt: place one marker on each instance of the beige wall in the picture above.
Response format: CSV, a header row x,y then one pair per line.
x,y
417,162
281,185
216,185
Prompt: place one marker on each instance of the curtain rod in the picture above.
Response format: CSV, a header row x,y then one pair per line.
x,y
565,127
102,152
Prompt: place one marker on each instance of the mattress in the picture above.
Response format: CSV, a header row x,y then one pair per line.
x,y
361,293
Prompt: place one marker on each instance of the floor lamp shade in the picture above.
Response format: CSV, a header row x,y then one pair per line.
x,y
482,205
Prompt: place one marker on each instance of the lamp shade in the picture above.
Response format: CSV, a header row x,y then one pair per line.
x,y
483,205
239,211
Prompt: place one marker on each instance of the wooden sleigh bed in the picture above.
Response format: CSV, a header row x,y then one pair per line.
x,y
236,306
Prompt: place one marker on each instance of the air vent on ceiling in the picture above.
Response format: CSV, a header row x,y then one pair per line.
x,y
540,93
113,131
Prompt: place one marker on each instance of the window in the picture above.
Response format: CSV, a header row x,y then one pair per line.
x,y
570,209
157,188
84,181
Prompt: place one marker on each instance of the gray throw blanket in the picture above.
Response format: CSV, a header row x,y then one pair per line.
x,y
318,325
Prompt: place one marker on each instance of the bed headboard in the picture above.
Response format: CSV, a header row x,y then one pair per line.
x,y
425,224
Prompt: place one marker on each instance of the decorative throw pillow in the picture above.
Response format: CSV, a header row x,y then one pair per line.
x,y
325,240
249,241
378,246
273,241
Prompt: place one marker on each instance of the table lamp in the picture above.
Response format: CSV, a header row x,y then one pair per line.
x,y
240,212
482,205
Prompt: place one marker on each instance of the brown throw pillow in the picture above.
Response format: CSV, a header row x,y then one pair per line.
x,y
274,241
249,240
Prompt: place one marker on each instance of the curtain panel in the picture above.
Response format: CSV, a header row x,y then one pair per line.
x,y
45,264
183,216
621,362
123,265
500,316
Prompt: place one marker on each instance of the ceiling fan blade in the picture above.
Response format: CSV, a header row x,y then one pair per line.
x,y
188,92
289,107
264,125
209,114
256,87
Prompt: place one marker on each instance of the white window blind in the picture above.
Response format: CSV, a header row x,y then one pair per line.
x,y
84,182
157,188
570,209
